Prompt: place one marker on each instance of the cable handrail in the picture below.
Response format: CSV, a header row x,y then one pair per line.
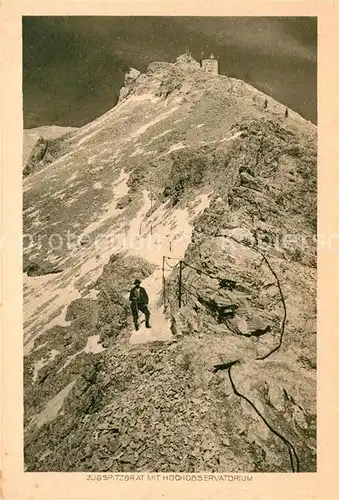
x,y
292,452
219,278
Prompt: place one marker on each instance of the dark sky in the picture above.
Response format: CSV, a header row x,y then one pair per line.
x,y
73,67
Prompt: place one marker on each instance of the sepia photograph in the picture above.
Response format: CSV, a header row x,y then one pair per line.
x,y
169,246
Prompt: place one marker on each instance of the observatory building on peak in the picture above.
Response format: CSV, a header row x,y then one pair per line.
x,y
211,65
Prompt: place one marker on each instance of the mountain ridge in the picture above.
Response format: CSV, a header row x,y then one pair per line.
x,y
201,169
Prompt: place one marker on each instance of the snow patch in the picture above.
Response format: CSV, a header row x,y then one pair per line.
x,y
93,128
53,407
93,345
53,297
160,135
159,118
137,152
111,211
72,178
43,362
174,147
237,134
69,360
37,367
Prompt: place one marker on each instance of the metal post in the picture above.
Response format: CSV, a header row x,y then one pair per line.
x,y
180,282
163,279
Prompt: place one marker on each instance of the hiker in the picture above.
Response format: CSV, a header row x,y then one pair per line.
x,y
139,302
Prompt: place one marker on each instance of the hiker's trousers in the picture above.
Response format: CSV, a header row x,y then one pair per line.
x,y
136,307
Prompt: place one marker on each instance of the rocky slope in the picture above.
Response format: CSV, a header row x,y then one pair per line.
x,y
196,167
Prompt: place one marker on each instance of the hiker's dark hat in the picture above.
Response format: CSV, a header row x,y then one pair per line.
x,y
136,281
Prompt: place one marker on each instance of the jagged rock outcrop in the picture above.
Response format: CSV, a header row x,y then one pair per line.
x,y
44,152
36,269
130,78
36,156
205,169
32,135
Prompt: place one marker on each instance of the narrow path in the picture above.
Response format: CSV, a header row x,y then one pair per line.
x,y
160,326
170,237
